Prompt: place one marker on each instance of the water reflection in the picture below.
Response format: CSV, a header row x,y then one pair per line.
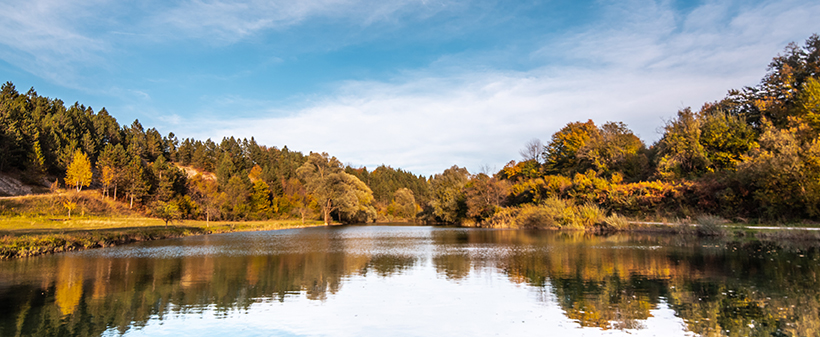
x,y
623,281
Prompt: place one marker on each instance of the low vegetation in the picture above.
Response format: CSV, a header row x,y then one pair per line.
x,y
95,232
34,225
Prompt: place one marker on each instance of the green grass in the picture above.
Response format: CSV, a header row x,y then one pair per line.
x,y
21,237
48,225
35,225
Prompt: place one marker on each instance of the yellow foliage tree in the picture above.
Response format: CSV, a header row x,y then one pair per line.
x,y
79,171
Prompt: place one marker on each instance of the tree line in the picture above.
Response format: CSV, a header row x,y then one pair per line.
x,y
753,154
236,179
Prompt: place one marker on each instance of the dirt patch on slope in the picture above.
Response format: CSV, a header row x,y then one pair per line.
x,y
191,172
10,186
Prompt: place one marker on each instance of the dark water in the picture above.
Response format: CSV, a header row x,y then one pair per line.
x,y
416,281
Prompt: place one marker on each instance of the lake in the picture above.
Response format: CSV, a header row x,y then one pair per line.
x,y
417,281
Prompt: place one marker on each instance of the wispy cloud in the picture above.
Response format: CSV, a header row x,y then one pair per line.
x,y
640,71
43,37
429,124
233,20
61,40
638,62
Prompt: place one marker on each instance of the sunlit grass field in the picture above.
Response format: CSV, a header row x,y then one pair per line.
x,y
35,225
29,236
20,225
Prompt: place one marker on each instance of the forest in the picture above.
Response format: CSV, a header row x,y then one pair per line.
x,y
752,156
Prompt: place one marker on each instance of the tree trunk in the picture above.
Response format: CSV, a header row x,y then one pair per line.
x,y
115,192
132,202
327,213
207,217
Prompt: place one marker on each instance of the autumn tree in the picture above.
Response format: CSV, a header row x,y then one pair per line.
x,y
237,193
298,198
778,95
204,192
614,149
354,200
784,172
561,154
484,195
70,206
809,104
516,171
167,211
79,171
726,139
680,152
448,200
112,162
320,173
335,190
404,203
260,199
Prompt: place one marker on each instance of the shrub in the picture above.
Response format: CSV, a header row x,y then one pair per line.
x,y
551,213
540,216
589,215
502,218
710,225
616,222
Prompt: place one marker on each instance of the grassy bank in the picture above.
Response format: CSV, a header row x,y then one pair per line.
x,y
555,213
41,224
21,237
562,214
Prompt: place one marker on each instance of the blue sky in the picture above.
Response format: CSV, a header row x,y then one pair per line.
x,y
421,85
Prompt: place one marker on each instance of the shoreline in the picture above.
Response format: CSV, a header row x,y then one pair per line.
x,y
15,244
21,243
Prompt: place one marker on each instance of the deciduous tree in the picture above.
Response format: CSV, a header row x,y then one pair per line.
x,y
335,190
561,154
448,201
204,192
680,152
79,171
405,203
484,194
167,211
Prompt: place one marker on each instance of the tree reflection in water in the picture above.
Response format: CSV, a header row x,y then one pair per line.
x,y
717,288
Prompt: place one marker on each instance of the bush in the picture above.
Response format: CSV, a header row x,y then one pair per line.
x,y
710,225
541,216
616,222
552,213
502,218
590,215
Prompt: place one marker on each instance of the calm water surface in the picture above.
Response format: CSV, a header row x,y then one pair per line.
x,y
416,281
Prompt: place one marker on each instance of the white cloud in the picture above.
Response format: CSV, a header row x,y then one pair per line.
x,y
639,64
641,73
42,37
430,124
